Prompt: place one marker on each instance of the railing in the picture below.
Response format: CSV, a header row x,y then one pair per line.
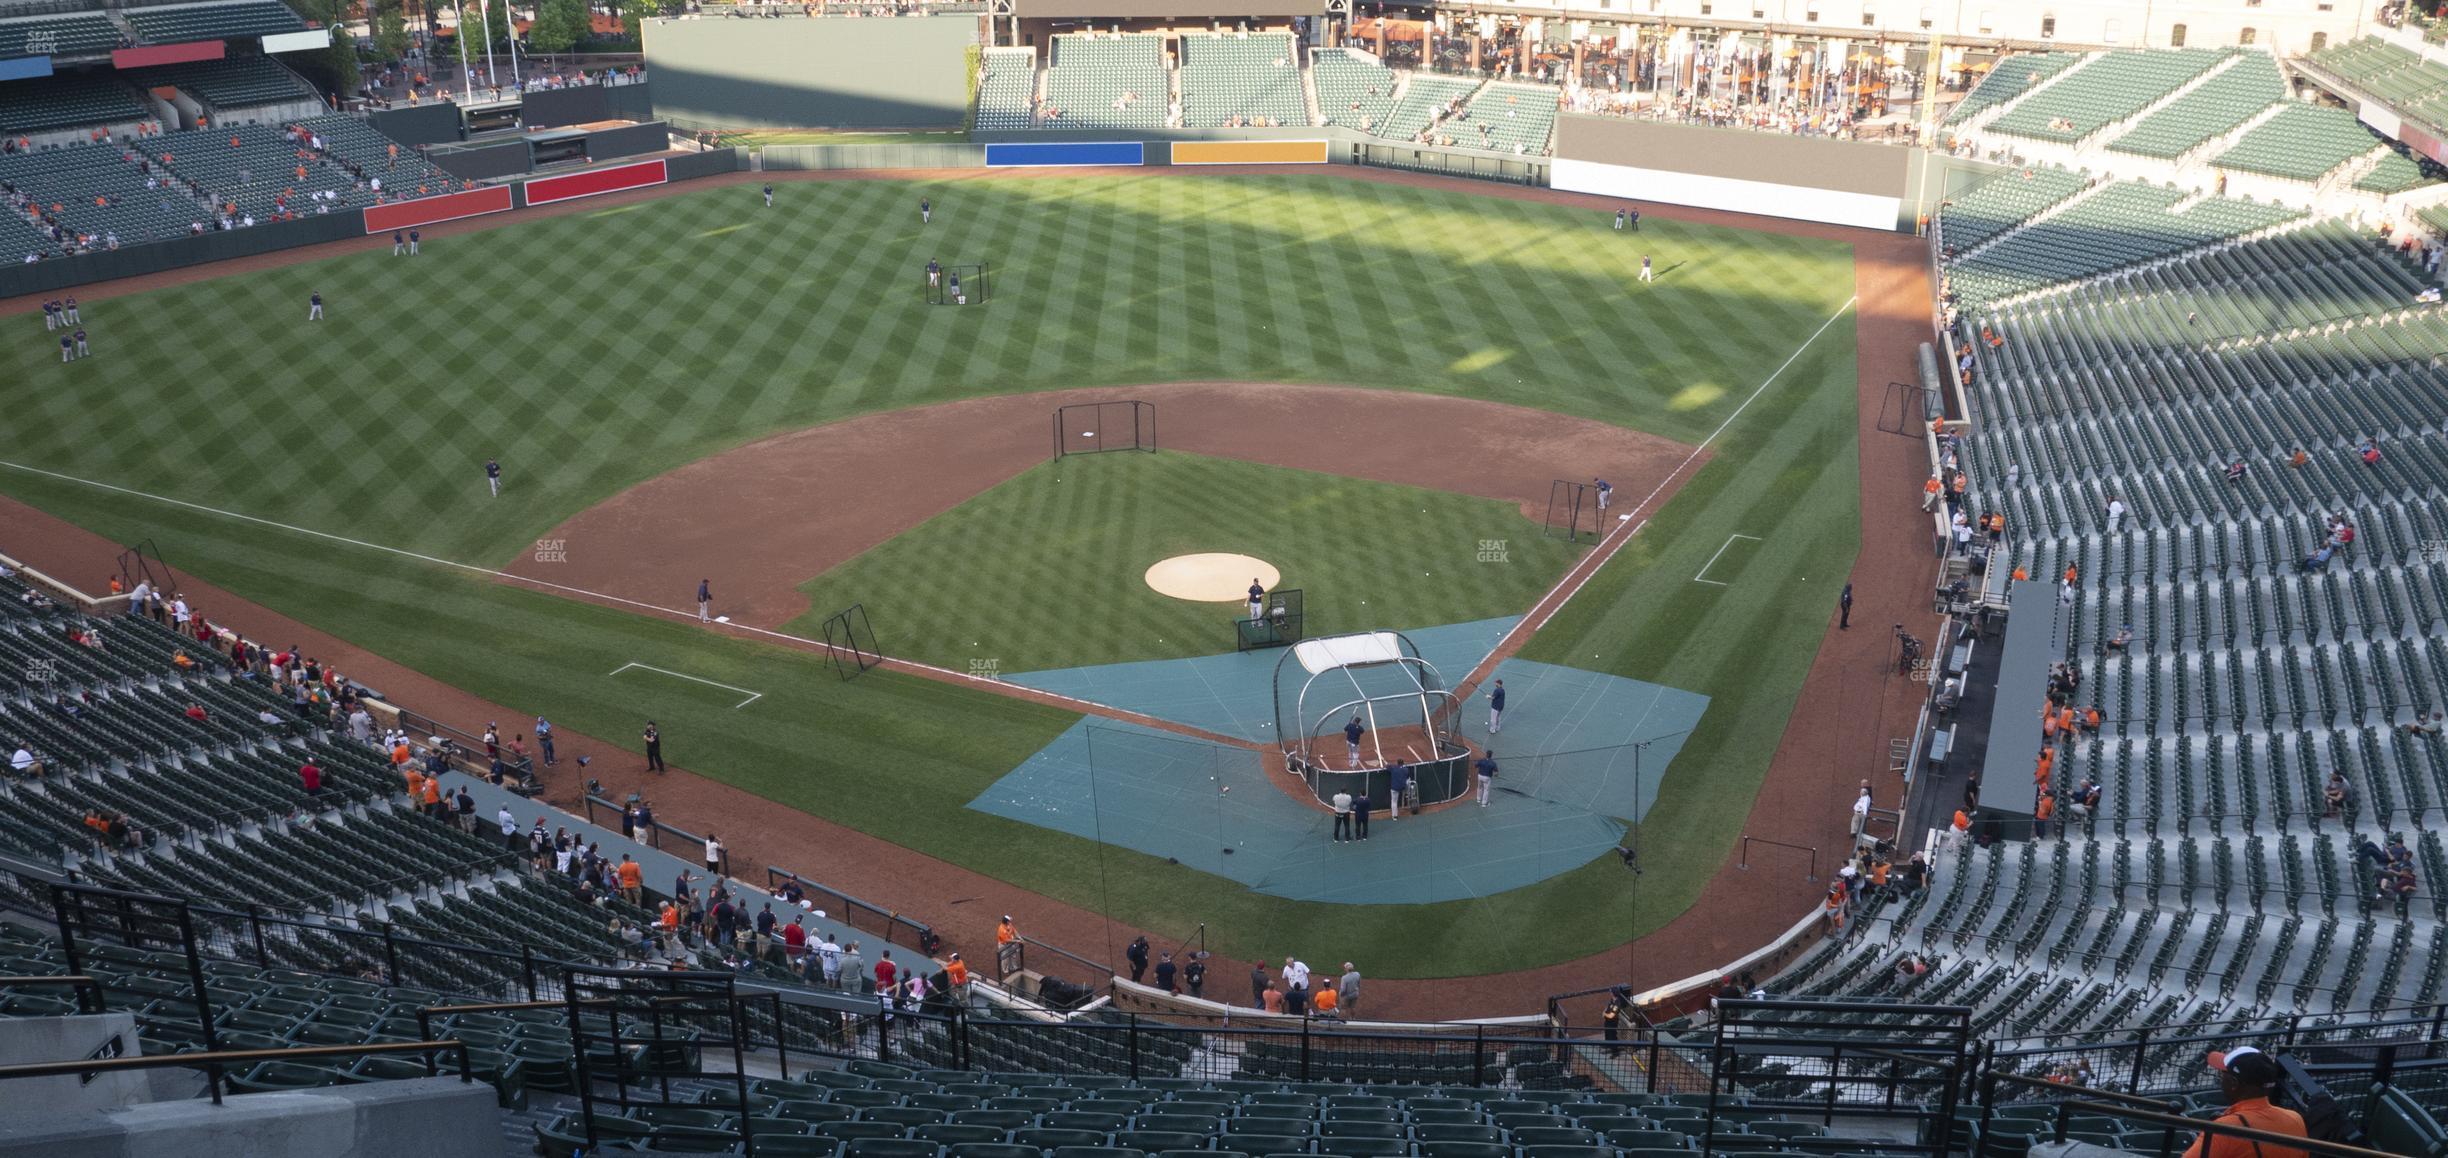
x,y
466,751
426,1014
845,906
88,990
215,1061
2172,1125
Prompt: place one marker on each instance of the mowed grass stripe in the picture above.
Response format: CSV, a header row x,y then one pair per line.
x,y
613,346
1047,570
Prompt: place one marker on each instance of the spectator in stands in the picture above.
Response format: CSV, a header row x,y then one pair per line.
x,y
311,777
632,877
1917,872
2397,882
853,973
1911,967
2041,814
718,862
2370,451
2235,471
2422,725
2319,558
765,929
2298,459
509,826
23,763
2122,639
2245,1075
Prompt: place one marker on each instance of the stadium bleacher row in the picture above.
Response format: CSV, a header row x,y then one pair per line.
x,y
2106,228
2224,102
223,818
73,35
2181,369
2107,88
2406,80
1257,79
162,187
2301,143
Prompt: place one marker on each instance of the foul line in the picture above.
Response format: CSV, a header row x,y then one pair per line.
x,y
1608,543
1704,567
752,696
1020,691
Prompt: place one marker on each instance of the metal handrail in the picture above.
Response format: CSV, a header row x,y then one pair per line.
x,y
215,1060
892,917
2086,1091
2173,1122
84,985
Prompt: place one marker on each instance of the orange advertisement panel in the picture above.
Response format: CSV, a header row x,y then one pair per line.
x,y
1249,152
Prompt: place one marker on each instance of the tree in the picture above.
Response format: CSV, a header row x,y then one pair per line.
x,y
390,26
491,26
559,25
334,69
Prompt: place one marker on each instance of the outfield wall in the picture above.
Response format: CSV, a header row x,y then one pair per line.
x,y
1770,174
822,72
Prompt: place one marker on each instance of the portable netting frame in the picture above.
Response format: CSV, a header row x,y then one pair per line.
x,y
970,278
1380,677
850,642
1570,505
1097,427
1277,625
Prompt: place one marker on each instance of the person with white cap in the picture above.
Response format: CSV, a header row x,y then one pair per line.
x,y
2245,1075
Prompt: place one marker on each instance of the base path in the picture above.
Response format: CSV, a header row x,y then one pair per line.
x,y
1849,706
761,519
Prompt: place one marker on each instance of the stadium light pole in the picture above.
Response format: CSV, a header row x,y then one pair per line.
x,y
459,26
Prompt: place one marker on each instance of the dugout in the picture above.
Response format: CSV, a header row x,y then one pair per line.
x,y
1401,701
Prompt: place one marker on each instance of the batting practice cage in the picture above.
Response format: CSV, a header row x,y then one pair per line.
x,y
1405,713
850,642
1572,510
958,285
1277,624
1096,427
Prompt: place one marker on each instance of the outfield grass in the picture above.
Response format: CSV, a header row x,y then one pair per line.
x,y
592,351
1080,534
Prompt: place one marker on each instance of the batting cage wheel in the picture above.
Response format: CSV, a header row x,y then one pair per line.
x,y
958,285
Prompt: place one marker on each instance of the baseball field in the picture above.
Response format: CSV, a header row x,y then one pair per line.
x,y
689,386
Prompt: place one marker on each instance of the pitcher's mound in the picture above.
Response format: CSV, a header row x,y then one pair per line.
x,y
1211,578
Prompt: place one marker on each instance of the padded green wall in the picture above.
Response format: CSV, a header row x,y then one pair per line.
x,y
797,72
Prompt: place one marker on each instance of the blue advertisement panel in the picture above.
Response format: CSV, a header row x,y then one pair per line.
x,y
1067,153
25,68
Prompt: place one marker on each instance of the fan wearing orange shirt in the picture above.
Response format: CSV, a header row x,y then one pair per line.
x,y
2245,1075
